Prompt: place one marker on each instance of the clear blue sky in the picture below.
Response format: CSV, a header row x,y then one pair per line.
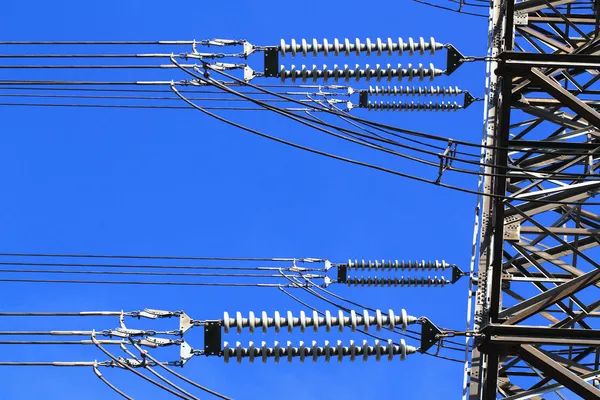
x,y
178,183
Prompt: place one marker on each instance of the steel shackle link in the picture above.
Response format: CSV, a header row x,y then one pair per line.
x,y
395,281
395,265
314,352
346,46
346,73
365,320
415,90
412,106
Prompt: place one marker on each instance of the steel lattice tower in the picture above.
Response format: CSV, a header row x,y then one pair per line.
x,y
537,283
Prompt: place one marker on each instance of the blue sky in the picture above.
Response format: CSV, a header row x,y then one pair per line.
x,y
178,183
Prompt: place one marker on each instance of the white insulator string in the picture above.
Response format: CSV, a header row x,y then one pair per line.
x,y
412,106
380,320
395,281
415,90
395,265
346,73
345,46
314,351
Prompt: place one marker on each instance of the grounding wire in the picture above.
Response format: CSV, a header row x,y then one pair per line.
x,y
275,259
401,155
185,379
197,91
131,106
352,302
399,136
357,162
82,97
159,376
354,118
124,365
110,385
389,127
101,42
299,284
555,175
451,9
297,117
303,120
464,3
145,273
223,284
313,285
341,307
137,90
191,267
154,83
238,83
322,313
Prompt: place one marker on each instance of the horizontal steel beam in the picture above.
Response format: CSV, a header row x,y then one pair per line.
x,y
536,5
514,60
537,303
564,96
561,231
511,335
578,19
556,371
556,252
533,393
